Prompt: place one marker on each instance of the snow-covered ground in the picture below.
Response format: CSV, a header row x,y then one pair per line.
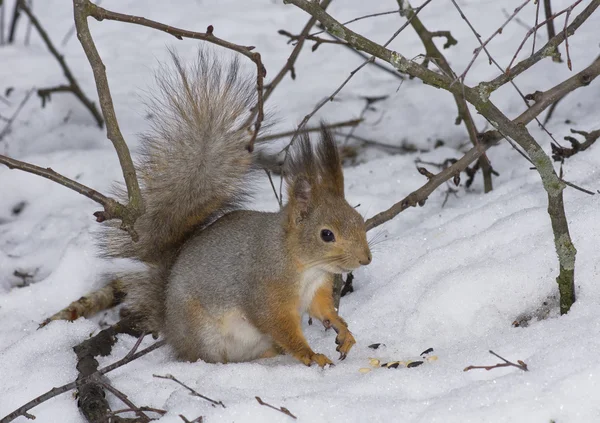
x,y
451,278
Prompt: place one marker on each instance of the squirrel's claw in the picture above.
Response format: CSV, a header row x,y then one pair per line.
x,y
321,359
345,341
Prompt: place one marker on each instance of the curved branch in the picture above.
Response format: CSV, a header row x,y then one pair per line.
x,y
112,208
135,207
73,85
100,14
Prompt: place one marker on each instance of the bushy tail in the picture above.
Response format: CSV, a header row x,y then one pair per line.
x,y
192,170
194,158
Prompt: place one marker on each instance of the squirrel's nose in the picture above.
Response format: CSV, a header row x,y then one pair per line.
x,y
366,260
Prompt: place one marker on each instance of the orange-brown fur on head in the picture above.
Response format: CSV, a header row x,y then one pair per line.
x,y
325,230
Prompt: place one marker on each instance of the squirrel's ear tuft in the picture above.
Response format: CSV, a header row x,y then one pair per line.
x,y
329,159
301,194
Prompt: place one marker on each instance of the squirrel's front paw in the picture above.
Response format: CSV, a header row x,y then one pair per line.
x,y
345,341
320,359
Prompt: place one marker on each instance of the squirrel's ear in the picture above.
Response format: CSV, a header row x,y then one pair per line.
x,y
330,160
301,194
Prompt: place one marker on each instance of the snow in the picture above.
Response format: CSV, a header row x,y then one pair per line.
x,y
453,278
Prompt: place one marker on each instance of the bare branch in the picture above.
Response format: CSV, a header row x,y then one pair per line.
x,y
22,411
536,27
551,31
192,391
485,43
547,50
89,9
135,207
559,154
11,120
289,65
112,208
351,123
280,409
316,11
73,85
464,114
521,365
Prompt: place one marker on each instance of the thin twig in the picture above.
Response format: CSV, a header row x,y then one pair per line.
x,y
372,15
280,409
196,420
137,345
551,31
544,51
22,411
485,43
11,120
138,411
73,85
111,206
279,201
352,73
464,114
28,30
492,60
521,365
537,16
13,24
559,154
567,10
192,391
257,115
352,123
289,64
1,22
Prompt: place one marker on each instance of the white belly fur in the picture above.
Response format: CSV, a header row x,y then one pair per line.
x,y
242,341
311,280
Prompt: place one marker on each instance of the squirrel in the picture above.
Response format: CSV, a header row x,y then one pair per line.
x,y
225,284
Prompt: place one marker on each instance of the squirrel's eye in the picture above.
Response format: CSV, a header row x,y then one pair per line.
x,y
327,235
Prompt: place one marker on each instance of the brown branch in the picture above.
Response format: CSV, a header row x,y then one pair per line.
x,y
486,88
352,123
196,420
317,41
332,27
360,18
419,196
82,9
464,113
551,31
13,25
11,120
559,154
545,99
289,64
1,22
537,19
98,13
22,411
73,85
91,396
483,45
192,391
280,409
112,208
536,27
521,365
143,417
